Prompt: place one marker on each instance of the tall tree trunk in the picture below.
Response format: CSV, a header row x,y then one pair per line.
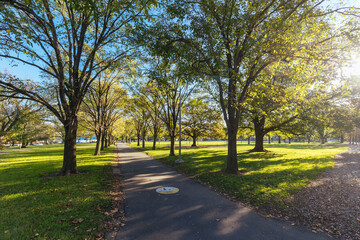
x,y
289,140
138,138
143,139
232,164
279,139
249,139
110,141
154,142
69,160
98,143
269,139
309,139
194,141
172,145
342,138
106,141
103,141
23,144
259,125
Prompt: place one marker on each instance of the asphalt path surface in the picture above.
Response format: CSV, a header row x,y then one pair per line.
x,y
195,212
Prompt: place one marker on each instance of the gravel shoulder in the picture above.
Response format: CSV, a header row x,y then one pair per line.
x,y
331,203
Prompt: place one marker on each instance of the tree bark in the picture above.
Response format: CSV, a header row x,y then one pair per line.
x,y
143,139
194,141
342,138
269,138
102,141
69,160
106,141
259,125
98,143
289,140
232,164
138,139
154,142
279,139
249,139
172,145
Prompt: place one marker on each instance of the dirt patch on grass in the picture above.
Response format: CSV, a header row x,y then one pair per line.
x,y
331,203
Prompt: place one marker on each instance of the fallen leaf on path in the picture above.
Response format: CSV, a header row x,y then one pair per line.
x,y
114,211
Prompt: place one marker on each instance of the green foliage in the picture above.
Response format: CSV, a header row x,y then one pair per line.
x,y
39,207
201,119
234,44
15,114
71,43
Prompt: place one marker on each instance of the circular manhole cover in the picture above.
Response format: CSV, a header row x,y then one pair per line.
x,y
167,190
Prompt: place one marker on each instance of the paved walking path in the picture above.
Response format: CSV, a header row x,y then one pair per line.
x,y
195,212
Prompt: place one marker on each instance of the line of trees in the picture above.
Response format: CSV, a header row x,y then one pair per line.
x,y
265,65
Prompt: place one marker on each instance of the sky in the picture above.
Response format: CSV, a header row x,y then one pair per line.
x,y
21,71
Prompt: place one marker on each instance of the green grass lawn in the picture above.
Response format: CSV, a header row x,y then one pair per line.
x,y
71,207
268,178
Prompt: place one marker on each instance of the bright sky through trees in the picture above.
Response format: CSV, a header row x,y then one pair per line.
x,y
24,71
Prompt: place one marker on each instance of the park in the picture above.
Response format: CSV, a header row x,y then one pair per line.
x,y
170,119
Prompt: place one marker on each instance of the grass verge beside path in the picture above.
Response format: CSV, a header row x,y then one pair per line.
x,y
70,207
268,178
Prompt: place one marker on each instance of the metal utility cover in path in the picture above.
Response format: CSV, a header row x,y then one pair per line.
x,y
167,190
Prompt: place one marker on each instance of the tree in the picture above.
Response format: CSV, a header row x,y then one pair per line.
x,y
283,96
71,43
232,42
34,128
102,106
200,119
343,119
173,87
12,113
135,108
150,95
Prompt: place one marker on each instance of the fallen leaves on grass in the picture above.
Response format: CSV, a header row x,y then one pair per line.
x,y
76,221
